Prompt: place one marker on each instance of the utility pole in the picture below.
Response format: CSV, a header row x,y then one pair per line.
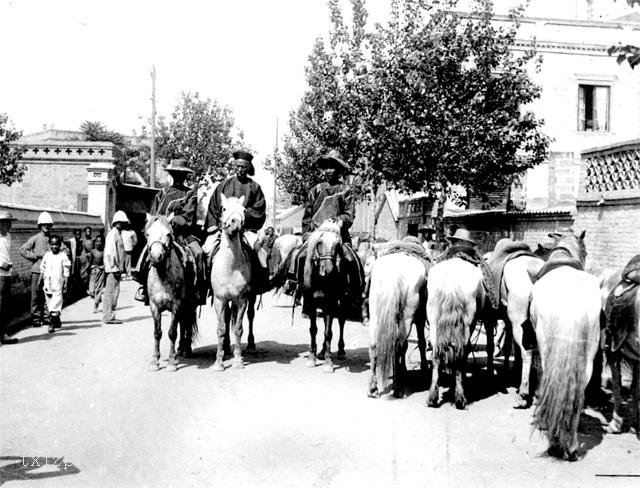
x,y
152,162
275,177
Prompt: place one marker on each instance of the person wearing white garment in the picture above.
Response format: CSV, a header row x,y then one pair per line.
x,y
114,266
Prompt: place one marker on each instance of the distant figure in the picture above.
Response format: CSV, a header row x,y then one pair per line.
x,y
33,250
87,240
113,267
6,266
97,279
129,239
55,269
426,235
267,242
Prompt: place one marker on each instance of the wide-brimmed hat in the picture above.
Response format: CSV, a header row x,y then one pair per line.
x,y
461,235
179,166
562,231
247,157
332,160
121,217
426,228
4,215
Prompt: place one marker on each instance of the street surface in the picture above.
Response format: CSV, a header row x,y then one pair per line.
x,y
83,399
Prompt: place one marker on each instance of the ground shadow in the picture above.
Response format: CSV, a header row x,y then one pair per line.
x,y
45,337
25,468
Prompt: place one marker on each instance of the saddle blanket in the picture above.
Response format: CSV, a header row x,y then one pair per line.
x,y
622,324
505,251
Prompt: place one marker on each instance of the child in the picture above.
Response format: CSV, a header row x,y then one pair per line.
x,y
96,282
55,269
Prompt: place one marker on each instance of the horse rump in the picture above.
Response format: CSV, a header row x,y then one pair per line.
x,y
452,331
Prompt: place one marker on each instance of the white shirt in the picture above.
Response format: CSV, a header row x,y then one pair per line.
x,y
5,253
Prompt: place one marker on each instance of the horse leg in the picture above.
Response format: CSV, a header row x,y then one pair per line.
x,y
432,399
518,320
186,332
341,352
154,364
313,331
220,307
460,399
227,340
422,343
238,317
373,382
328,335
251,313
490,328
172,365
635,399
400,371
615,426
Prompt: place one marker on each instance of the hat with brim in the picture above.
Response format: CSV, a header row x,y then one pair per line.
x,y
179,166
461,235
426,228
247,157
4,215
333,160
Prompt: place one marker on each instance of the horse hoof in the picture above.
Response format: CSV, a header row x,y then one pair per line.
x,y
320,356
341,355
327,368
522,403
218,366
237,364
373,393
461,404
251,347
311,362
613,428
432,401
172,367
154,366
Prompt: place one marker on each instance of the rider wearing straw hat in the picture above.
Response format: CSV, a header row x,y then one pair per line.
x,y
464,247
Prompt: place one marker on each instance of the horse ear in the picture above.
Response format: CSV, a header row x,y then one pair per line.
x,y
223,198
582,234
241,200
148,217
540,248
171,216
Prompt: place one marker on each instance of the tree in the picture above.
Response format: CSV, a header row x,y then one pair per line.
x,y
10,168
628,52
199,131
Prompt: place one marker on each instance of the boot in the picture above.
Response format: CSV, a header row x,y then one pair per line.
x,y
142,295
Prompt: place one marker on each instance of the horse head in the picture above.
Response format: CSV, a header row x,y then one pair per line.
x,y
159,238
572,245
232,220
324,251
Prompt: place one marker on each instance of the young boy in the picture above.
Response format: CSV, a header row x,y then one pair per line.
x,y
96,282
55,269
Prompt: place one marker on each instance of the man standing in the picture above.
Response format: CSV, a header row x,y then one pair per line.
x,y
426,236
254,215
267,242
180,202
113,267
33,250
6,265
130,239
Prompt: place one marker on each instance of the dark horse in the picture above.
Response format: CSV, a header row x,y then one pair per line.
x,y
168,285
325,286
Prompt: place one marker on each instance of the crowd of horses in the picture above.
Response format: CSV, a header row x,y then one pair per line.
x,y
555,297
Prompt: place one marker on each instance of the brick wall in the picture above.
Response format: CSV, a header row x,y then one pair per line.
x,y
23,228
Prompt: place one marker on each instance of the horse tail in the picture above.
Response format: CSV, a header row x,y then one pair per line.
x,y
451,327
389,310
562,388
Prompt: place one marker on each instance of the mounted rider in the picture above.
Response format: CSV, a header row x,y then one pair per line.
x,y
463,247
178,200
330,199
255,215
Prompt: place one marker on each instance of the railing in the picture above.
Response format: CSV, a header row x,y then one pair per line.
x,y
611,172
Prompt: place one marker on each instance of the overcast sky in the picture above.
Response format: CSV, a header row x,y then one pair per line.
x,y
66,61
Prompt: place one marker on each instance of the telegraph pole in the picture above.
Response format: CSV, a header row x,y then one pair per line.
x,y
275,177
152,162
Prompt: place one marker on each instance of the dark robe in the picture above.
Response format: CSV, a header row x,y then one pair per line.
x,y
333,202
183,203
254,203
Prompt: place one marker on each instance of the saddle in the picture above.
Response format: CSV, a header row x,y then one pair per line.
x,y
505,251
554,264
622,324
410,248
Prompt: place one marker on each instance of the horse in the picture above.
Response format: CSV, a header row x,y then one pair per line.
x,y
455,300
231,283
168,286
324,286
281,253
622,328
397,300
565,312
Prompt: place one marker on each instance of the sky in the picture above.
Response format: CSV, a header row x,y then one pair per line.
x,y
67,61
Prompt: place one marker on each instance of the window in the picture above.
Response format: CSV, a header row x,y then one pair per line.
x,y
593,108
83,202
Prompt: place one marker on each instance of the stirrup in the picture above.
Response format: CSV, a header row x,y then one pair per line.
x,y
289,287
141,295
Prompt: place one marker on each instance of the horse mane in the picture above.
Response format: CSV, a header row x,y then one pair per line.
x,y
312,248
573,244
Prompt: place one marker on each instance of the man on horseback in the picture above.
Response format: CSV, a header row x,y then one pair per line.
x,y
330,199
463,247
254,215
180,201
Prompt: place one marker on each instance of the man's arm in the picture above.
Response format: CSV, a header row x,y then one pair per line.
x,y
213,211
26,250
348,209
307,216
185,215
255,215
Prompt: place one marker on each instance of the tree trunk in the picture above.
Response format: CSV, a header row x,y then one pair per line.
x,y
439,220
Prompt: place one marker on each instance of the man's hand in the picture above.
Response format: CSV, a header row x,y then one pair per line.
x,y
212,230
64,286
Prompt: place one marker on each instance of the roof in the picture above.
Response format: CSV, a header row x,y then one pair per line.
x,y
630,17
283,214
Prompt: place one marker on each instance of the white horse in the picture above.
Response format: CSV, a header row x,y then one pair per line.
x,y
565,312
396,301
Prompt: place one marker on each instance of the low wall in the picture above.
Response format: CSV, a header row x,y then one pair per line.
x,y
532,227
65,222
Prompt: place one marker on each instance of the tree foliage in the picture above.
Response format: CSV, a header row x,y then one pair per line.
x,y
627,52
427,101
10,168
200,131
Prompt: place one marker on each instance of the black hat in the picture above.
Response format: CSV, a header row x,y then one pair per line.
x,y
332,160
426,228
179,165
247,157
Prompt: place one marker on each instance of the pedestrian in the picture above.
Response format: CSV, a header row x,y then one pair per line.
x,y
267,242
33,250
97,279
426,235
87,240
113,267
55,269
129,239
6,265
